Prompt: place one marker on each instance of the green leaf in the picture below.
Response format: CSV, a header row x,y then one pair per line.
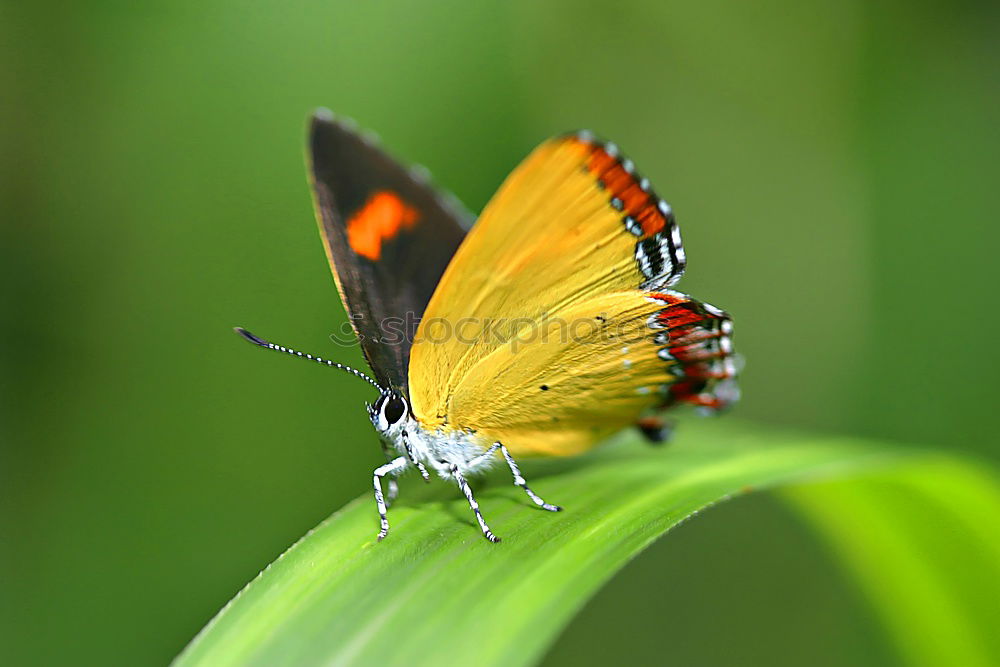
x,y
922,540
435,592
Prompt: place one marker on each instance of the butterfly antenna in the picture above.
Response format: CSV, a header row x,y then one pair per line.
x,y
295,353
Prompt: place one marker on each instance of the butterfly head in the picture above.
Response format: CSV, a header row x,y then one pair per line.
x,y
389,412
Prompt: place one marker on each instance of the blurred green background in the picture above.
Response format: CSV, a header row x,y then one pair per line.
x,y
833,166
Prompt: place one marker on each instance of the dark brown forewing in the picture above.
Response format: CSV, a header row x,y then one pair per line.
x,y
403,234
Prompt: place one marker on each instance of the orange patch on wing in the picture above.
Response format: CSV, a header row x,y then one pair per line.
x,y
382,217
638,203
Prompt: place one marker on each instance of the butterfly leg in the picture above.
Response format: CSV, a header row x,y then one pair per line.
x,y
519,481
467,490
516,471
393,467
393,492
409,454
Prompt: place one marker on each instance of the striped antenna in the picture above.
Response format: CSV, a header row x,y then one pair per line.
x,y
295,353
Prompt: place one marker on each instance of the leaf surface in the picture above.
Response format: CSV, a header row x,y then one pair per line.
x,y
435,592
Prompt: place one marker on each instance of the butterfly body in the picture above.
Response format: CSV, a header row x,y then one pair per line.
x,y
546,328
454,454
443,451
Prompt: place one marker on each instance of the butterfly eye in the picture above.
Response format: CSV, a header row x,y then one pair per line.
x,y
393,409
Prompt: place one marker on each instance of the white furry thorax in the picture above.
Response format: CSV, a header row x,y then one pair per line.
x,y
439,450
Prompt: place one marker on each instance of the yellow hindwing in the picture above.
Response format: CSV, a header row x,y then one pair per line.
x,y
538,334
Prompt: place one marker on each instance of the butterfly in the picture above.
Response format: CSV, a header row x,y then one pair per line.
x,y
546,327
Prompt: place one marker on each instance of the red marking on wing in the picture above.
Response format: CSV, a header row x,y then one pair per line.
x,y
679,316
699,339
638,203
382,217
